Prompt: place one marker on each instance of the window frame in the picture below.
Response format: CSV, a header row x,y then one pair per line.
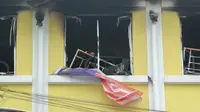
x,y
182,51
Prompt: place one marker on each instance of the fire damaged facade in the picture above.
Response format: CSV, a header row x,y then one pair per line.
x,y
99,56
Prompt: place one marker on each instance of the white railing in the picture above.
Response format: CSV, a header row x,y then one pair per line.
x,y
192,61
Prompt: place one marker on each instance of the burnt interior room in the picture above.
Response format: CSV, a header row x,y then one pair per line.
x,y
191,39
113,41
6,47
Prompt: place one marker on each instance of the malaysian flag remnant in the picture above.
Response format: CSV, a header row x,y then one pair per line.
x,y
115,90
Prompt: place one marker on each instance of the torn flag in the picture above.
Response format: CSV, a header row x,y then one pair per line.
x,y
115,90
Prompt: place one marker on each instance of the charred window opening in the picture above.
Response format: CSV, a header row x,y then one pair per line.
x,y
190,44
114,46
6,46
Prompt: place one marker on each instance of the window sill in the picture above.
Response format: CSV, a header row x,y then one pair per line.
x,y
55,79
16,79
184,79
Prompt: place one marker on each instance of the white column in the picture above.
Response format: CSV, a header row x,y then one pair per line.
x,y
45,73
40,64
155,57
34,63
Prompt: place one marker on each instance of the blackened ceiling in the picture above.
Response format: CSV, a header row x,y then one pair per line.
x,y
184,7
73,7
96,6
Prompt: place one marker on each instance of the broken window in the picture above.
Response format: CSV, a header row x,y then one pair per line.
x,y
114,45
7,35
190,44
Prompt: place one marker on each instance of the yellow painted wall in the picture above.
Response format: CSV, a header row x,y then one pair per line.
x,y
179,98
56,41
16,102
24,43
171,32
182,98
94,92
139,42
23,63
